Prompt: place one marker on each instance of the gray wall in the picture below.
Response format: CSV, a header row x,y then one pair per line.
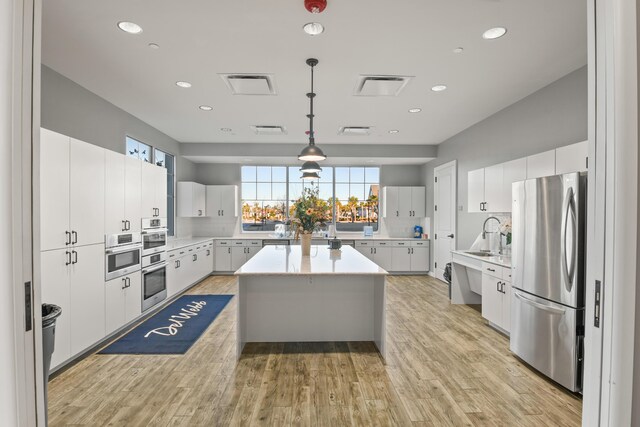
x,y
554,116
72,110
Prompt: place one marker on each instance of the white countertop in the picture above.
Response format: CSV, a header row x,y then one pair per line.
x,y
288,260
179,243
500,260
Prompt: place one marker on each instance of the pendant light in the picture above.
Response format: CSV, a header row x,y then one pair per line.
x,y
310,167
309,176
311,152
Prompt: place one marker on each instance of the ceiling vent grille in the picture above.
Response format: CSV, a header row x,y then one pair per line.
x,y
369,85
268,130
250,84
355,130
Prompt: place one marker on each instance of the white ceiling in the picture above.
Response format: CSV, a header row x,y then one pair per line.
x,y
199,39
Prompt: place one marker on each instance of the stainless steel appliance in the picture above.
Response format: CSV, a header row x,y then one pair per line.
x,y
154,279
122,254
547,304
154,235
335,243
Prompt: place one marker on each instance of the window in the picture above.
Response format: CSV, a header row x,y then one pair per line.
x,y
147,153
269,192
357,191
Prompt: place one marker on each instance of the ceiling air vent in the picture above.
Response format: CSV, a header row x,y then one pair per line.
x,y
355,130
268,130
368,85
250,84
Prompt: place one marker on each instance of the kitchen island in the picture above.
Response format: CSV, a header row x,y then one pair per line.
x,y
332,295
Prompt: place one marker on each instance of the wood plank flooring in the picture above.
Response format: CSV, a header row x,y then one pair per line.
x,y
444,367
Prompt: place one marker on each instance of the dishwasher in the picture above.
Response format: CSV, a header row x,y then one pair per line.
x,y
275,242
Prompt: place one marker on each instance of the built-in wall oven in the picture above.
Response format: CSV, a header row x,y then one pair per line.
x,y
154,279
123,254
154,235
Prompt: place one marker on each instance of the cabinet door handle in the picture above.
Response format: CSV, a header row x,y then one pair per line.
x,y
222,212
128,225
124,225
75,237
124,283
397,213
68,255
498,286
412,251
68,233
491,269
375,250
75,257
229,249
503,285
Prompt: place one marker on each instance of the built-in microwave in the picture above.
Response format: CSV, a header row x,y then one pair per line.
x,y
154,279
123,254
154,235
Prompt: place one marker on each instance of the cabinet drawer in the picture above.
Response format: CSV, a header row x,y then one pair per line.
x,y
364,244
423,243
223,243
237,243
492,270
400,244
383,244
254,243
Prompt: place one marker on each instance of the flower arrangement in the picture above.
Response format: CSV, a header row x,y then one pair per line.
x,y
310,213
505,229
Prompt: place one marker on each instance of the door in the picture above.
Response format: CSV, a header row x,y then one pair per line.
x,y
445,196
543,334
199,200
365,248
55,290
114,304
148,197
160,177
212,195
420,258
223,258
404,202
493,189
251,251
132,193
390,202
513,171
401,258
86,177
492,299
383,256
87,306
54,190
475,191
418,202
208,260
228,201
173,268
238,257
114,193
133,297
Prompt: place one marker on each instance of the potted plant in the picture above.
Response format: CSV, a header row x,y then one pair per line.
x,y
310,213
505,230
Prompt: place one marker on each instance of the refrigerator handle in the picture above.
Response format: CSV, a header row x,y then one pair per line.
x,y
544,307
567,209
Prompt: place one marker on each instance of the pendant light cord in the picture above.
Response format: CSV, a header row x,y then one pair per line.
x,y
311,95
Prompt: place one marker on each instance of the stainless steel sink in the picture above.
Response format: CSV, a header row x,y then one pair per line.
x,y
482,254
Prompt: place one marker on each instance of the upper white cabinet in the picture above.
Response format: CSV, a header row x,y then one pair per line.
x,y
542,164
191,199
222,201
154,191
484,190
72,188
122,193
475,190
513,171
572,158
403,202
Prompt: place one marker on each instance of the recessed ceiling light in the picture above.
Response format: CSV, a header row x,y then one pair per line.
x,y
154,46
206,107
313,28
183,84
494,33
439,88
129,27
225,129
458,50
394,131
415,110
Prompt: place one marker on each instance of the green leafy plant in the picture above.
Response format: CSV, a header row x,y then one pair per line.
x,y
310,212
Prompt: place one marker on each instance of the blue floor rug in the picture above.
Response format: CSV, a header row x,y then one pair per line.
x,y
174,329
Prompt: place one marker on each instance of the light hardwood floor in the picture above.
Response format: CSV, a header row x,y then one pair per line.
x,y
444,367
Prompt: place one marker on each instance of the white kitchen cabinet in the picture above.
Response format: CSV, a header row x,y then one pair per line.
x,y
222,201
403,202
223,258
496,297
401,257
475,190
420,256
122,193
238,257
572,158
494,202
154,191
54,190
123,297
87,300
191,199
513,171
230,255
542,164
366,249
55,290
174,273
72,188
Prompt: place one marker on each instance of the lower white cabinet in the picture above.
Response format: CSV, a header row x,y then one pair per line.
x,y
397,255
188,265
401,257
496,297
73,278
230,255
123,301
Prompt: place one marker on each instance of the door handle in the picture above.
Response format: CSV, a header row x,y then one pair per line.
x,y
124,283
75,257
532,303
411,251
128,282
128,225
68,255
229,249
68,240
75,237
568,208
498,286
218,212
397,213
222,212
450,236
124,225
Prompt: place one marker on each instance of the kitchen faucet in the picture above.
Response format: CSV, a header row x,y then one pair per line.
x,y
484,232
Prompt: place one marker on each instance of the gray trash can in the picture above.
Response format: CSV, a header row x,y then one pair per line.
x,y
50,312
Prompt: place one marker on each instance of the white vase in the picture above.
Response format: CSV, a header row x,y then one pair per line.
x,y
305,244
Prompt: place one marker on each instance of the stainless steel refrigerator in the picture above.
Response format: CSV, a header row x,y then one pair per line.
x,y
547,304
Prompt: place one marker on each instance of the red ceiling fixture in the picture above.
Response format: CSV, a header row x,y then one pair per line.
x,y
315,6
